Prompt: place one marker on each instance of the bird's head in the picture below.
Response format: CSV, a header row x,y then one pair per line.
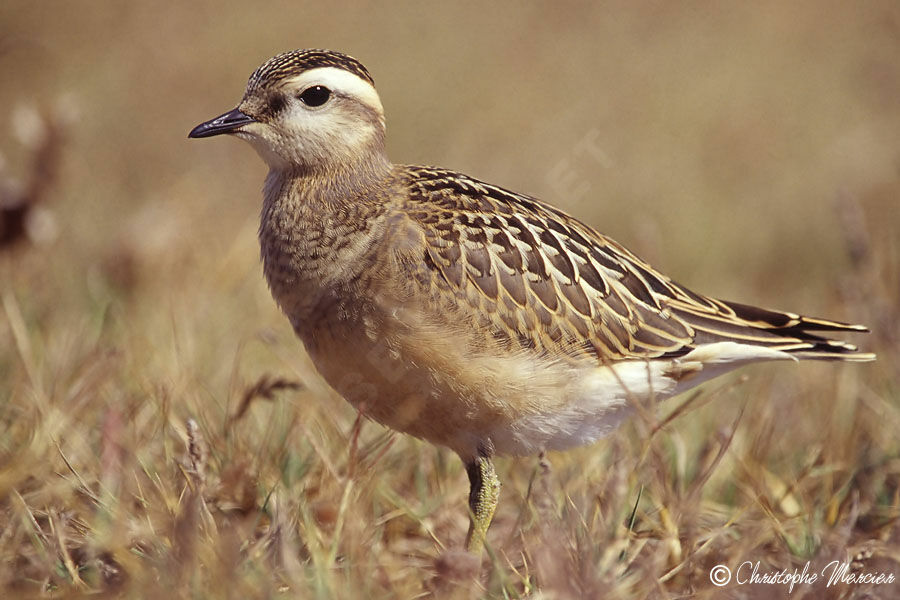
x,y
307,110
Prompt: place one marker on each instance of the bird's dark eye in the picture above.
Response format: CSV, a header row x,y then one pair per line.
x,y
317,95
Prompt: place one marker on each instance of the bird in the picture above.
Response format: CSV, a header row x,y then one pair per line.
x,y
479,319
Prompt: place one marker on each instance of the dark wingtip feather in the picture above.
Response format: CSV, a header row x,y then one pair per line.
x,y
800,336
766,318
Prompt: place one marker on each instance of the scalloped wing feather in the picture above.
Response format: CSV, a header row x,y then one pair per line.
x,y
550,282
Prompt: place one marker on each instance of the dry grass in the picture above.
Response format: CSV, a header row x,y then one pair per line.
x,y
161,431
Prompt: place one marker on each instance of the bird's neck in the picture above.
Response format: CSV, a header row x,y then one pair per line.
x,y
315,200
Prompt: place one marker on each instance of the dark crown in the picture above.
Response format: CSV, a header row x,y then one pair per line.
x,y
295,62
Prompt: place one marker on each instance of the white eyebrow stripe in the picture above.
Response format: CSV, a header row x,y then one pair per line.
x,y
342,82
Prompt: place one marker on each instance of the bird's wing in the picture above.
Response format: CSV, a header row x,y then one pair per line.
x,y
546,281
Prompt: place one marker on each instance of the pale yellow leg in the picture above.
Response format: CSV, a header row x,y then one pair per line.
x,y
484,494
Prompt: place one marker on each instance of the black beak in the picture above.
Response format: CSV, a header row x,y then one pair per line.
x,y
226,123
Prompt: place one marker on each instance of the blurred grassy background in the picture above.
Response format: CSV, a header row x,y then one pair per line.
x,y
750,150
